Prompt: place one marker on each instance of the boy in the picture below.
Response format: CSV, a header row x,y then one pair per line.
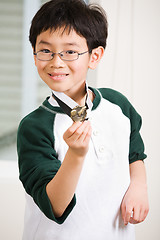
x,y
81,166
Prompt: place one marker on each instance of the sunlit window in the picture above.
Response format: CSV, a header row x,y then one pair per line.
x,y
10,69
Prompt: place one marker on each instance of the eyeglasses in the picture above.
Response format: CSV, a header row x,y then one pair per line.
x,y
47,55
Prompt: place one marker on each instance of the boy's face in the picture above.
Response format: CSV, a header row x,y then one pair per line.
x,y
60,75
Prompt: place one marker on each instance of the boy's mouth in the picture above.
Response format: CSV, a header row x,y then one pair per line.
x,y
57,75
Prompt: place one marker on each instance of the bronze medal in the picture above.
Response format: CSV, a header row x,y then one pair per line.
x,y
78,114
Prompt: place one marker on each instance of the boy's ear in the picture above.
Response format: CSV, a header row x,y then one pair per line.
x,y
95,57
34,56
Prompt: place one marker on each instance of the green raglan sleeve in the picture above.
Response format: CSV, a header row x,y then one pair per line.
x,y
38,161
136,148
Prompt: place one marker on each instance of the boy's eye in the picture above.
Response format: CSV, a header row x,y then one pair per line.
x,y
45,51
70,52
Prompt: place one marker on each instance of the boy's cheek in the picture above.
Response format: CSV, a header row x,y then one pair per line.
x,y
40,65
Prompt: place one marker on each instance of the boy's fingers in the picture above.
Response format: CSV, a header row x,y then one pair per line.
x,y
136,214
76,130
70,131
132,221
80,132
139,215
85,136
81,128
128,215
142,215
123,210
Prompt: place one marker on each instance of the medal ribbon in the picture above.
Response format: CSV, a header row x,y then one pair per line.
x,y
71,108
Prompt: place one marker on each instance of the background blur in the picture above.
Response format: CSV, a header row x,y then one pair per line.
x,y
131,65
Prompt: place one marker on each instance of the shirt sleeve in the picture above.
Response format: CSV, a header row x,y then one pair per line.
x,y
136,148
38,162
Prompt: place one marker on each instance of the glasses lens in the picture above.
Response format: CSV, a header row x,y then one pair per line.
x,y
69,55
64,55
44,56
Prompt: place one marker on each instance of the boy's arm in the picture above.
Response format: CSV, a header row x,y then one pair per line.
x,y
135,204
61,188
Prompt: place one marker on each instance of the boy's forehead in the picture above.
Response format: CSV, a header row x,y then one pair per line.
x,y
63,35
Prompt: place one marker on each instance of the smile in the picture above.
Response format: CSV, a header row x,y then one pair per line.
x,y
57,76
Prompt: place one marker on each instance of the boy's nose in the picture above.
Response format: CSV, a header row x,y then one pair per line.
x,y
57,61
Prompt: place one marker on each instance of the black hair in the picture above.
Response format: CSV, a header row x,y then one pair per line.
x,y
89,21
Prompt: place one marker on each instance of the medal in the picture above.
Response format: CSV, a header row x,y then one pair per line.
x,y
78,114
69,106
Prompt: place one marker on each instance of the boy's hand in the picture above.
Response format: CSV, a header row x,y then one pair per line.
x,y
135,205
77,137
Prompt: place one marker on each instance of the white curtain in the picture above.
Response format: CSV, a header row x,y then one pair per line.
x,y
131,65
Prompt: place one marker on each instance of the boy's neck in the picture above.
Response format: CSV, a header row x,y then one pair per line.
x,y
78,95
80,98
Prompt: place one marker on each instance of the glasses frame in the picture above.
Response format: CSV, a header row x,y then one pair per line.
x,y
59,54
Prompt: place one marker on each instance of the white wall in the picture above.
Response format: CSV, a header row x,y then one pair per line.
x,y
132,66
12,201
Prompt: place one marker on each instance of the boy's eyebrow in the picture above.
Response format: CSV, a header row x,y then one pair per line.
x,y
65,44
44,42
71,44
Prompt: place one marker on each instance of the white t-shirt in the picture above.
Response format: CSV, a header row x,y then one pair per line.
x,y
94,213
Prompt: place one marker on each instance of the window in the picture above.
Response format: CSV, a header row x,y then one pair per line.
x,y
10,68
